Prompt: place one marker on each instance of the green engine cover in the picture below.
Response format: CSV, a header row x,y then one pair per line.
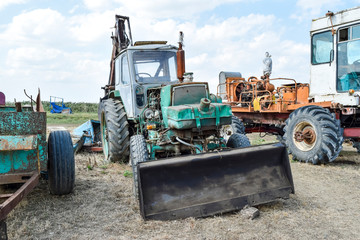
x,y
181,108
190,116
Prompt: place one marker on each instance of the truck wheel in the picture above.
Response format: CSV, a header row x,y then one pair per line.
x,y
313,134
61,163
138,153
114,130
236,126
238,141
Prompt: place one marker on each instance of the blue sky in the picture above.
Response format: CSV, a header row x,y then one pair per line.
x,y
64,47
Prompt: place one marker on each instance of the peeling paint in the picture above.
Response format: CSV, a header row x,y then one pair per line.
x,y
22,141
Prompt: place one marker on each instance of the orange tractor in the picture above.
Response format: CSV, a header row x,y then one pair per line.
x,y
311,132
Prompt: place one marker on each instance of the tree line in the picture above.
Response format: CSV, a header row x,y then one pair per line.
x,y
76,107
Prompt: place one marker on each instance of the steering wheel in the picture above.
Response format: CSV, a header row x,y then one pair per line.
x,y
143,73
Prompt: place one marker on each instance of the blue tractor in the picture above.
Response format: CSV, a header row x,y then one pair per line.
x,y
57,105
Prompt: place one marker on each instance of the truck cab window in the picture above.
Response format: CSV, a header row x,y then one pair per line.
x,y
348,72
321,46
344,35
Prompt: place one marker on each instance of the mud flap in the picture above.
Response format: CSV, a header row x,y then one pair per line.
x,y
212,183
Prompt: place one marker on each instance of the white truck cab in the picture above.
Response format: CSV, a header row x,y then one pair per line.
x,y
335,58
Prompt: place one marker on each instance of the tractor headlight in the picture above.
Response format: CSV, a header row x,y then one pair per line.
x,y
149,114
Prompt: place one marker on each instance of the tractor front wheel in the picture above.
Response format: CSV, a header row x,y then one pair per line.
x,y
313,134
236,126
114,130
138,153
238,140
61,163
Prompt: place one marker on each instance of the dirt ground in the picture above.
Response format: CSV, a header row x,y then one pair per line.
x,y
325,206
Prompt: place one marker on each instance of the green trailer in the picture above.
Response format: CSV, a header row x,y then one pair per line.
x,y
25,156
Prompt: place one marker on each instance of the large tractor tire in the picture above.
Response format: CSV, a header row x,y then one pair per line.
x,y
138,153
238,141
236,126
114,130
313,134
61,163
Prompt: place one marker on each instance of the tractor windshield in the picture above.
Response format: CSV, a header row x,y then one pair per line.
x,y
348,72
155,66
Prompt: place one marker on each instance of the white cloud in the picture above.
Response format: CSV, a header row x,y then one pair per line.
x,y
166,9
309,9
43,25
233,44
91,27
97,5
5,3
42,48
76,76
26,57
163,9
68,56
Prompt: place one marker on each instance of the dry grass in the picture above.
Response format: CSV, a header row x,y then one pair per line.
x,y
325,206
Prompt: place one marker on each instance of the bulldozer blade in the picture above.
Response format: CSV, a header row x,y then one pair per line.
x,y
212,183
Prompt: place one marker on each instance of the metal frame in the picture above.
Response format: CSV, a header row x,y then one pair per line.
x,y
14,199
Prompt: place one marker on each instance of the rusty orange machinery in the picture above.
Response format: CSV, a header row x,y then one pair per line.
x,y
258,101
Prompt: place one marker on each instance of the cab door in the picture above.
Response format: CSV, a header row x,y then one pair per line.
x,y
323,67
123,84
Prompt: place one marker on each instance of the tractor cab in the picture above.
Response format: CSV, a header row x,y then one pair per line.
x,y
335,57
141,67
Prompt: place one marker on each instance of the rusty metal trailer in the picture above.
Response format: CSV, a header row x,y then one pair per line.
x,y
25,156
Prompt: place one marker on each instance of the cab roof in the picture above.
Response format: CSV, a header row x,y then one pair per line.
x,y
344,17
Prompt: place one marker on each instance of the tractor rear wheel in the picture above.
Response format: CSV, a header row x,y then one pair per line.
x,y
238,140
236,126
313,134
114,130
138,153
61,163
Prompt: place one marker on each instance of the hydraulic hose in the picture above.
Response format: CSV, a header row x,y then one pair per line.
x,y
188,144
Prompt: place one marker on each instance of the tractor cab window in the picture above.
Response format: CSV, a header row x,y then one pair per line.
x,y
348,63
155,66
321,47
125,75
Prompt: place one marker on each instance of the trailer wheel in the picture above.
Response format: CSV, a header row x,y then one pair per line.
x,y
313,134
138,153
114,130
236,126
238,141
61,163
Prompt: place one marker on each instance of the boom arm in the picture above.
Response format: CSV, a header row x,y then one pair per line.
x,y
121,40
